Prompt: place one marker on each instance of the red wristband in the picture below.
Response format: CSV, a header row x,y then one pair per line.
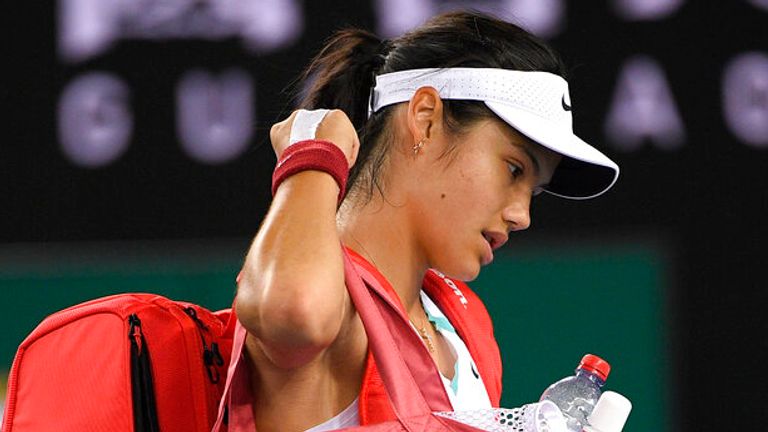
x,y
316,155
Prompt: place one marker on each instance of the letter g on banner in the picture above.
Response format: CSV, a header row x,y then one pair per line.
x,y
95,120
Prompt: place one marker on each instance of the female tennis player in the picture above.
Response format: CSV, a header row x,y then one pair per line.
x,y
425,163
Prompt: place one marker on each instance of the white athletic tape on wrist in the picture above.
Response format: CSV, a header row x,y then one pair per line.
x,y
305,125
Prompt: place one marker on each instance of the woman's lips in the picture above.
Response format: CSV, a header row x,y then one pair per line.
x,y
488,254
494,240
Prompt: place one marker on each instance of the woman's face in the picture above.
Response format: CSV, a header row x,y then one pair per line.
x,y
471,200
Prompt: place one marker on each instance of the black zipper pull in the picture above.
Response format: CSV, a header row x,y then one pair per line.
x,y
213,357
135,334
210,356
213,372
189,310
217,358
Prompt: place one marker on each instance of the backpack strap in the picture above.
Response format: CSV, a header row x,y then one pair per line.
x,y
414,386
236,407
470,318
464,309
374,404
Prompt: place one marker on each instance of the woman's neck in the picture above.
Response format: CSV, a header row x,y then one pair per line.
x,y
380,232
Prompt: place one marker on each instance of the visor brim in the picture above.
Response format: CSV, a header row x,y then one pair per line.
x,y
583,173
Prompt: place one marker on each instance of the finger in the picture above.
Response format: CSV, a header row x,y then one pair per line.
x,y
274,131
355,151
305,124
279,127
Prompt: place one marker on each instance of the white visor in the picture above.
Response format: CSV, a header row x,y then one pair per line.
x,y
536,104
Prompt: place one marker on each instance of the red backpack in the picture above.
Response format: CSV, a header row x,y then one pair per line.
x,y
128,362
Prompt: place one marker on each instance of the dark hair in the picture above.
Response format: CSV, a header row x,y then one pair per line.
x,y
342,74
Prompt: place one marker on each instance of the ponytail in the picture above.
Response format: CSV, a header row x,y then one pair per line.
x,y
342,74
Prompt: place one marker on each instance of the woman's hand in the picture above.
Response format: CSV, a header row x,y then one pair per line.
x,y
334,127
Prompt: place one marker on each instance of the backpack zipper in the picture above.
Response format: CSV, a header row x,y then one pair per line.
x,y
142,387
212,359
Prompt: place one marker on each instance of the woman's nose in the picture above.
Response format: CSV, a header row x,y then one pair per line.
x,y
517,214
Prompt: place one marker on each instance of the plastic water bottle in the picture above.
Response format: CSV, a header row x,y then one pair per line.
x,y
577,395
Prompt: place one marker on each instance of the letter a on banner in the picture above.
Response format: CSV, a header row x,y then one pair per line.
x,y
643,109
745,98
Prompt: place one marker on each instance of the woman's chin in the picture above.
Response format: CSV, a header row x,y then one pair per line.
x,y
466,272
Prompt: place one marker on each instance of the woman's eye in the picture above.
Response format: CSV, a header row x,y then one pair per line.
x,y
515,170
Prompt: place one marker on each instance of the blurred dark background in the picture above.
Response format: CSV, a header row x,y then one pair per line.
x,y
137,132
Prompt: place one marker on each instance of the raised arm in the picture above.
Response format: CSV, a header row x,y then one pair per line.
x,y
291,295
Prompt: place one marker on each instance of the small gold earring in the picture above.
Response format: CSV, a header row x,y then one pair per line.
x,y
418,146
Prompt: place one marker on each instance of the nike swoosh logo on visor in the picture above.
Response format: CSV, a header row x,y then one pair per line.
x,y
565,105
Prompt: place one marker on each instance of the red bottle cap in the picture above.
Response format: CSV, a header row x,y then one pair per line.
x,y
596,365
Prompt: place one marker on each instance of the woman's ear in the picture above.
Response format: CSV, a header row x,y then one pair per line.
x,y
425,114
